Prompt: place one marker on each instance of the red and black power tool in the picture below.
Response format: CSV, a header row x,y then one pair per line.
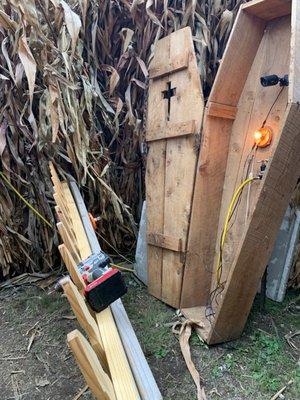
x,y
104,284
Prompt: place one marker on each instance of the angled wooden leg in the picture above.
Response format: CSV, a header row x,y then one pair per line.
x,y
97,380
68,241
71,267
85,319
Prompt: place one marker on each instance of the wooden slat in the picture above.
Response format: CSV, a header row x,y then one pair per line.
x,y
97,380
71,267
237,60
179,64
85,319
268,9
122,378
221,110
68,242
257,242
166,242
171,130
205,212
81,238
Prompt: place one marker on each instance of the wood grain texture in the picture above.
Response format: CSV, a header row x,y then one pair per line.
x,y
166,68
68,242
170,184
258,240
143,376
121,375
205,212
237,60
221,110
165,242
268,9
231,77
85,319
97,380
71,267
81,238
85,219
171,130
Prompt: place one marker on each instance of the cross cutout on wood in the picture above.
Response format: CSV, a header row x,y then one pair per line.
x,y
167,94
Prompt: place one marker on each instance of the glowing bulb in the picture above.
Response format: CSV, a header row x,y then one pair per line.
x,y
263,137
257,136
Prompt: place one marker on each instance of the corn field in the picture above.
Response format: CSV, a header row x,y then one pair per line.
x,y
74,78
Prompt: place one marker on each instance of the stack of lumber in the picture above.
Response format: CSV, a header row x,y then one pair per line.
x,y
111,360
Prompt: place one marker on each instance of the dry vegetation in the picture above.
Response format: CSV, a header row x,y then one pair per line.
x,y
73,90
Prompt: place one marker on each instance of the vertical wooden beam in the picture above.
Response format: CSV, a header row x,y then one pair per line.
x,y
97,380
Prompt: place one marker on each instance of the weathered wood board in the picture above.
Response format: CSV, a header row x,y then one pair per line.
x,y
264,41
175,107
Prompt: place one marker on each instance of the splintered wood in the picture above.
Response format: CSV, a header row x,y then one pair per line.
x,y
175,107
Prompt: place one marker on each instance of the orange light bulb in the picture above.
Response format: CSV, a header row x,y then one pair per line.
x,y
263,137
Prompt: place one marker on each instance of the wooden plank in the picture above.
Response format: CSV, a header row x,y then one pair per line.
x,y
81,238
166,242
268,9
97,380
67,226
237,59
294,76
121,375
205,212
143,376
68,242
171,130
163,69
71,267
257,242
85,219
85,319
221,110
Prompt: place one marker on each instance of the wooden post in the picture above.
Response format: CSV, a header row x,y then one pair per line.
x,y
97,380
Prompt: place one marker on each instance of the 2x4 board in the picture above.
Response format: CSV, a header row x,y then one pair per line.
x,y
186,210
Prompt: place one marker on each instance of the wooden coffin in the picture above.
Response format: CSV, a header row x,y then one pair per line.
x,y
175,108
265,40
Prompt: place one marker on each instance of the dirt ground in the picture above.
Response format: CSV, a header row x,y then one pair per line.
x,y
37,364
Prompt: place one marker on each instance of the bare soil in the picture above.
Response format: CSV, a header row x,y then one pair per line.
x,y
36,364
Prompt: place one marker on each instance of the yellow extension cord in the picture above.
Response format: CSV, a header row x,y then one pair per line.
x,y
24,200
225,227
